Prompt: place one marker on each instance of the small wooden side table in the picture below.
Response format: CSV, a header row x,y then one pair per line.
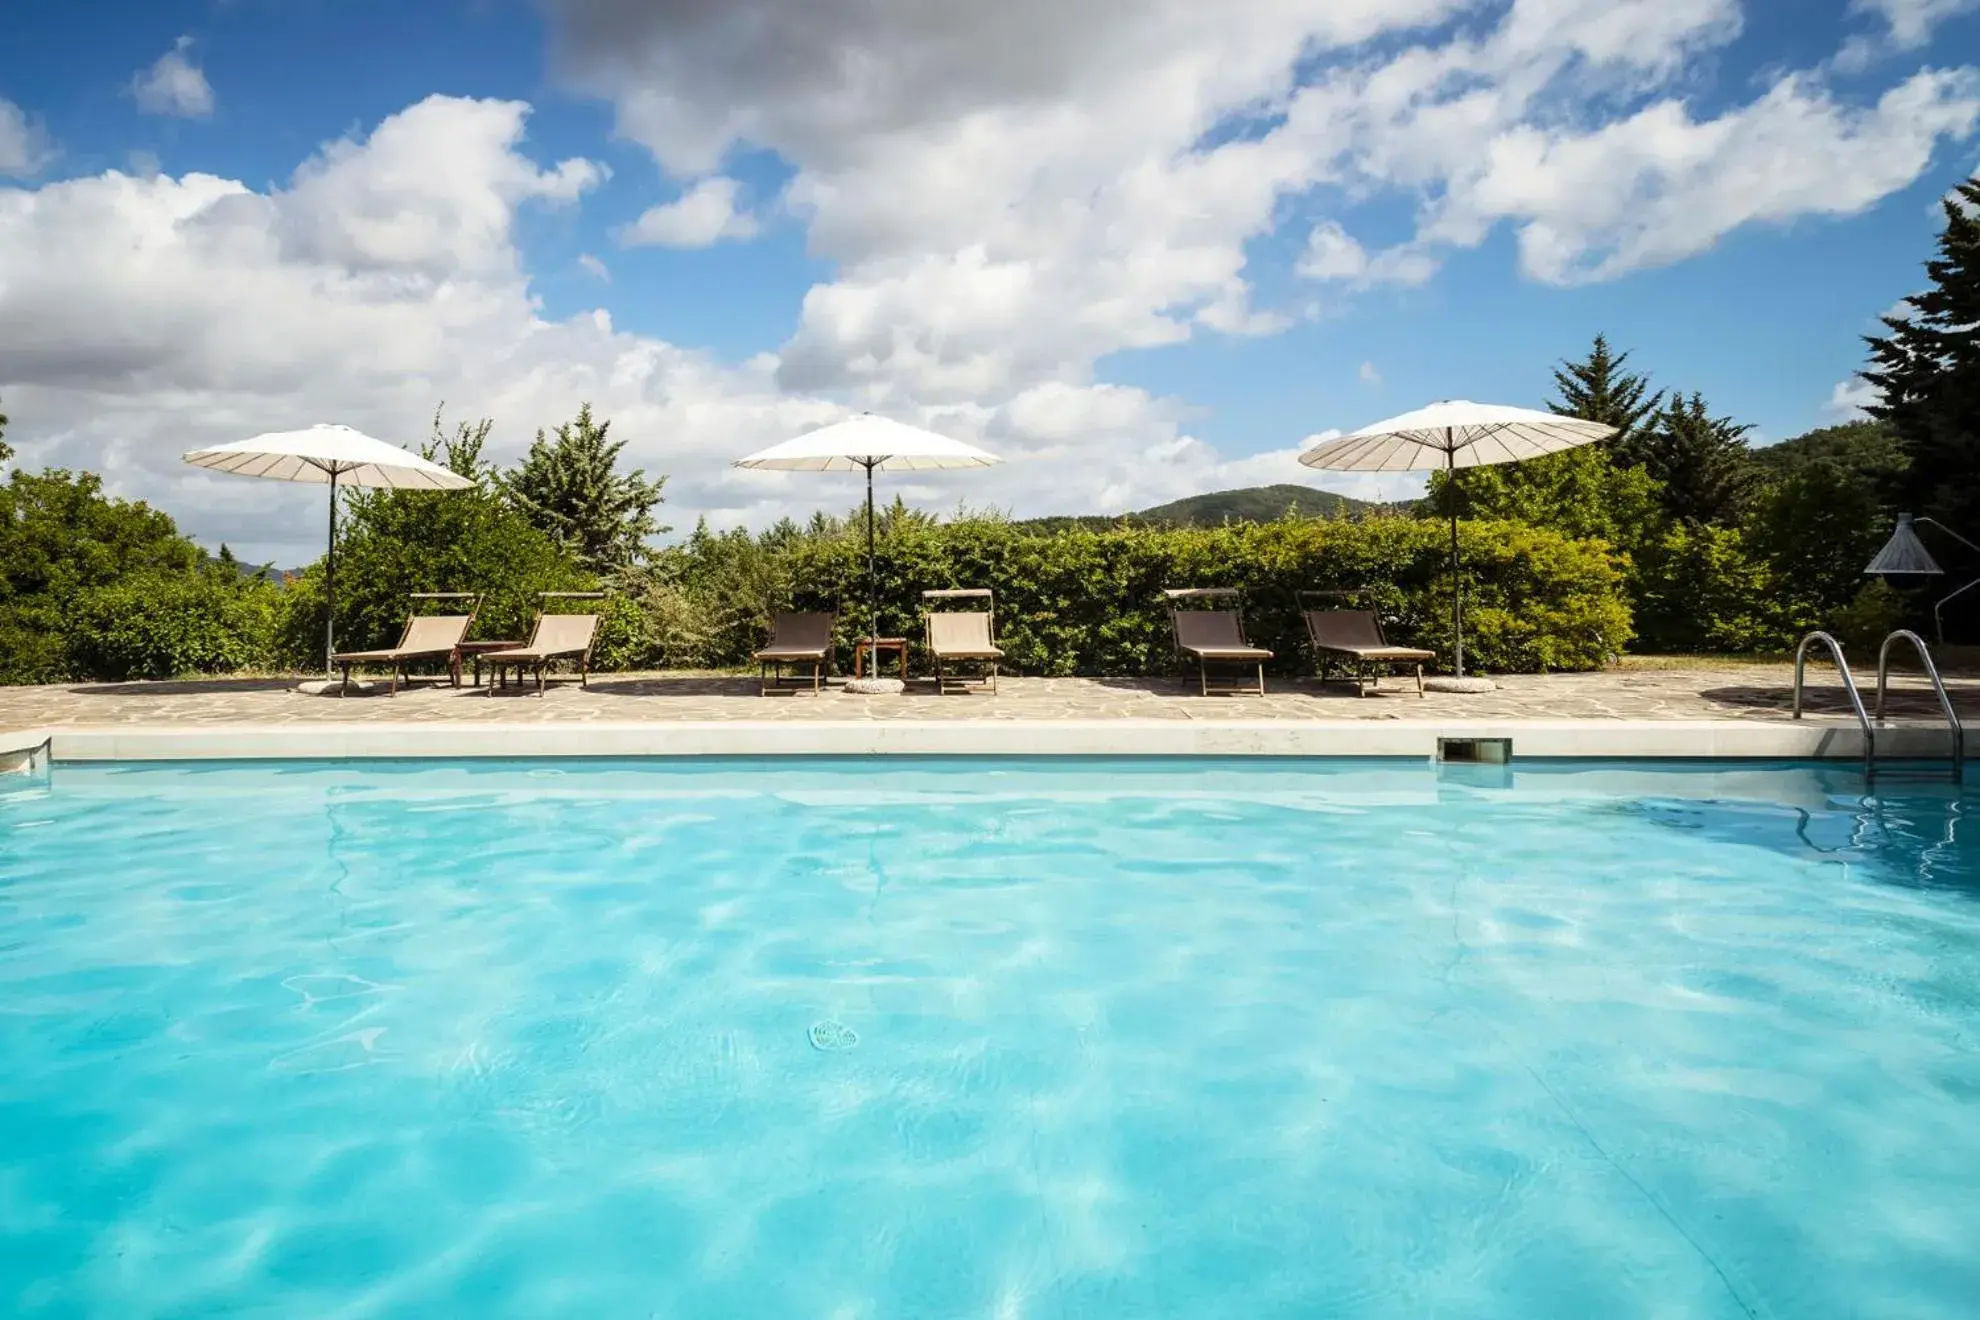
x,y
473,651
874,649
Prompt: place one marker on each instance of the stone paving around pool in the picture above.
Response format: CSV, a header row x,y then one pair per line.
x,y
1735,692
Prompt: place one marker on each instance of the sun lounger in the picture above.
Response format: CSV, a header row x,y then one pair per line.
x,y
795,639
426,637
1357,636
1215,637
961,636
556,637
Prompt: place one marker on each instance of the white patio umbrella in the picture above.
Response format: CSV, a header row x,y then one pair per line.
x,y
872,443
335,456
1450,435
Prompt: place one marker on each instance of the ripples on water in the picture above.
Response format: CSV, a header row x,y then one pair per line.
x,y
1099,1039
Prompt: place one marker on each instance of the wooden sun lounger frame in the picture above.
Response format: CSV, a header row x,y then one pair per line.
x,y
1382,653
533,656
398,657
770,661
1241,655
988,654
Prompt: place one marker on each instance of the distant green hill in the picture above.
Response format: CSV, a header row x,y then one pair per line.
x,y
1860,446
1253,504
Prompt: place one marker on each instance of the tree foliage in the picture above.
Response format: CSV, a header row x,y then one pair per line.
x,y
1581,492
393,543
1927,372
569,486
1597,389
61,539
1701,463
1824,503
6,451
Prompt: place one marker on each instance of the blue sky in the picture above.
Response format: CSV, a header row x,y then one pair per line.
x,y
1140,250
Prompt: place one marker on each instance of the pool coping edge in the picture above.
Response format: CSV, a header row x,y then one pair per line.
x,y
1618,739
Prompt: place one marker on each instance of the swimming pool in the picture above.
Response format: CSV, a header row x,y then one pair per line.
x,y
987,1038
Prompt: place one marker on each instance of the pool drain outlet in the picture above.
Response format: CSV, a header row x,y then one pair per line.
x,y
833,1037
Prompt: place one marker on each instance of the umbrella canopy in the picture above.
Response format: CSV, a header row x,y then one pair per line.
x,y
335,456
326,454
1454,434
1450,435
872,443
869,443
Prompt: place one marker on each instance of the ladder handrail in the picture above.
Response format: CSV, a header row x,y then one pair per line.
x,y
1849,686
1938,688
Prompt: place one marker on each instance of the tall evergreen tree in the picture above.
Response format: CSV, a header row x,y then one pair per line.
x,y
1599,390
1591,491
569,486
1927,372
1701,461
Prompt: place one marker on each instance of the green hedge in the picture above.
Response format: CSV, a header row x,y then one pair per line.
x,y
1076,602
1090,602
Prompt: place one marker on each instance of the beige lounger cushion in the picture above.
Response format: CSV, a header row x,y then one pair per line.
x,y
1356,633
959,635
430,634
1214,635
556,635
798,637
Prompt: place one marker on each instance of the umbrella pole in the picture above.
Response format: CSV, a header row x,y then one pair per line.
x,y
1457,582
330,588
872,573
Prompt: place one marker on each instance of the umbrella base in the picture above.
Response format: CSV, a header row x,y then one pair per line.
x,y
337,687
1459,685
875,687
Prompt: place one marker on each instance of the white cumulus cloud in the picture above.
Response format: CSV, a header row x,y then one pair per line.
x,y
1850,400
1010,193
24,145
174,85
706,214
1332,254
144,316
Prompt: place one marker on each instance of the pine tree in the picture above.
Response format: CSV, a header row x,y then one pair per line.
x,y
1701,461
568,485
1927,372
1599,390
1591,491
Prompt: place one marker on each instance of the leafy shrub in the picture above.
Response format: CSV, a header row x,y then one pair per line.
x,y
156,625
1874,613
1706,588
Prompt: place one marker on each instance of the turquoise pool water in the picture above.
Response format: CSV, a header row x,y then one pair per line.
x,y
987,1039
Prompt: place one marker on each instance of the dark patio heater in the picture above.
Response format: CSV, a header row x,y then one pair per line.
x,y
1905,556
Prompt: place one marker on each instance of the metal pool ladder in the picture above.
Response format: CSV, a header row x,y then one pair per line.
x,y
1883,684
1849,686
1938,689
